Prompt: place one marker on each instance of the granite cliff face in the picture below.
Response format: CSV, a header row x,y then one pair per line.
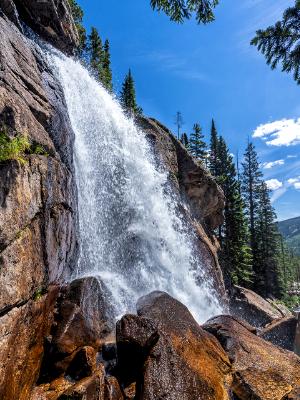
x,y
37,198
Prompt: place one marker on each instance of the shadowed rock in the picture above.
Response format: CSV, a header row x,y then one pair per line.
x,y
261,371
281,332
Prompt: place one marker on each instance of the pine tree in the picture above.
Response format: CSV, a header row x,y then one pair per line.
x,y
281,42
77,14
179,10
197,144
234,235
268,280
213,151
128,96
250,184
107,74
185,140
95,50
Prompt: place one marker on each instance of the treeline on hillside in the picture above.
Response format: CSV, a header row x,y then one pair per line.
x,y
253,253
96,54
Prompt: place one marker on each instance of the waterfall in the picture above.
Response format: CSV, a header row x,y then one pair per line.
x,y
131,235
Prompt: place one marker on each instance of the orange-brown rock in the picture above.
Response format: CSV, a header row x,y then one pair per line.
x,y
261,370
169,355
22,333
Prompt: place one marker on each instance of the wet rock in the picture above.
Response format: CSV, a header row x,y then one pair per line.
x,y
22,332
52,20
281,332
169,355
83,363
85,316
261,370
90,388
246,304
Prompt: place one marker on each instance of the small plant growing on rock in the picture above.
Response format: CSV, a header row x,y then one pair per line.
x,y
13,148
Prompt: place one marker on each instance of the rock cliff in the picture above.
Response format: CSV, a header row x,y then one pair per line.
x,y
37,197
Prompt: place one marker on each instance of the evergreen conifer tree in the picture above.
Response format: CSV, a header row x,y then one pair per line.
x,y
107,74
185,140
213,150
268,277
96,53
251,180
128,96
77,14
197,146
236,257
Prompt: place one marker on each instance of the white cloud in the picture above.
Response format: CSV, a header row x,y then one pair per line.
x,y
297,185
285,132
294,182
271,164
291,156
274,184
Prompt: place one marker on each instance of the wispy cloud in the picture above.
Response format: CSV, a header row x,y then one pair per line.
x,y
291,156
171,62
285,132
271,164
274,184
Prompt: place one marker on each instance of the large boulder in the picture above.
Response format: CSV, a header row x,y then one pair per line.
x,y
261,371
84,318
169,355
246,304
281,332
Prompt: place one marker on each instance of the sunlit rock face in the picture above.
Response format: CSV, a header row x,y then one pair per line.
x,y
37,202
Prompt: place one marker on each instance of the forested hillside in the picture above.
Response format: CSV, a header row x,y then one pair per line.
x,y
290,230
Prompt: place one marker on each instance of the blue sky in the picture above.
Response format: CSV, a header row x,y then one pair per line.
x,y
211,71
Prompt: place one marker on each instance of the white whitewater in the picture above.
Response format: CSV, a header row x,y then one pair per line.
x,y
130,234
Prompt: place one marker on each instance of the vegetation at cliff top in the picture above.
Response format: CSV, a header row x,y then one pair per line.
x,y
128,96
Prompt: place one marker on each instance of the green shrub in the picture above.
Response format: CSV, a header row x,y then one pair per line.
x,y
38,149
13,148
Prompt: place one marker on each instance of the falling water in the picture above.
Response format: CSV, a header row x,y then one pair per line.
x,y
131,235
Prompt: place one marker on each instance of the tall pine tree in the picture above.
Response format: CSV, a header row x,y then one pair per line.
x,y
213,150
107,74
197,146
236,257
95,50
185,140
128,96
251,180
268,280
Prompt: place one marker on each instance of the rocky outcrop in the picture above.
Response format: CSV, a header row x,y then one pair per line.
x,y
51,19
83,318
281,332
246,304
260,370
196,188
38,244
166,353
